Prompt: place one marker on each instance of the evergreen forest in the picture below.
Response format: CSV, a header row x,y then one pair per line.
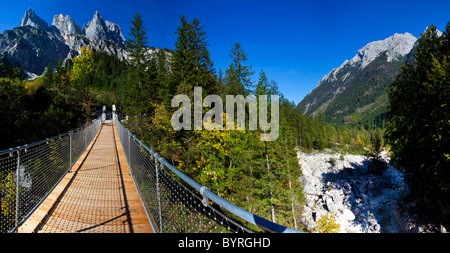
x,y
261,177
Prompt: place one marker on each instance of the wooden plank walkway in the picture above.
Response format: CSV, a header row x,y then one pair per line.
x,y
98,196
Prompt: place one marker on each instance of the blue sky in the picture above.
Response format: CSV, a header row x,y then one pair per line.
x,y
295,42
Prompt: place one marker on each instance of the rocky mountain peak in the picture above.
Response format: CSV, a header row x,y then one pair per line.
x,y
354,93
97,15
35,45
98,28
31,19
66,25
395,46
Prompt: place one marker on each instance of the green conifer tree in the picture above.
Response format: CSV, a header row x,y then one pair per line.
x,y
192,64
418,126
238,76
138,91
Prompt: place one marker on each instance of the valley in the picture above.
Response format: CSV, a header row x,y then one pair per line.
x,y
387,106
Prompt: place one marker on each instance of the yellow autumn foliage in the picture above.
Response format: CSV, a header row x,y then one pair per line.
x,y
327,224
83,65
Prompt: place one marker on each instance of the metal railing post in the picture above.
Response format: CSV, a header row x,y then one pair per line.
x,y
129,150
84,137
104,113
114,112
17,191
70,152
158,193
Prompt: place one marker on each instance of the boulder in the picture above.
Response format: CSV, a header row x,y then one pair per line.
x,y
331,206
348,214
354,198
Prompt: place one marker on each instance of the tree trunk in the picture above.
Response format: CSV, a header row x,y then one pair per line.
x,y
292,205
271,194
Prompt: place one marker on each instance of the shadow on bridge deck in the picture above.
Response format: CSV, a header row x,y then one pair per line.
x,y
98,196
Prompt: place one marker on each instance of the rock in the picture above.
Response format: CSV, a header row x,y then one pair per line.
x,y
337,196
31,19
98,29
33,45
318,214
355,198
66,25
347,186
348,214
376,228
32,48
115,33
331,206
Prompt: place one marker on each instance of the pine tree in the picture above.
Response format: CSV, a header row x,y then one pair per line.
x,y
137,45
48,76
138,80
263,85
192,64
182,57
58,78
238,76
162,79
266,86
418,126
222,89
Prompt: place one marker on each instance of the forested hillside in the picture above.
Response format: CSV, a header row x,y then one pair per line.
x,y
418,126
259,176
354,93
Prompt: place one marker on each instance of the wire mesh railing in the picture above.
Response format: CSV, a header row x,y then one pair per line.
x,y
29,173
176,203
173,201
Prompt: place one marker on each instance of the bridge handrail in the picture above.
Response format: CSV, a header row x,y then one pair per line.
x,y
33,170
208,195
26,146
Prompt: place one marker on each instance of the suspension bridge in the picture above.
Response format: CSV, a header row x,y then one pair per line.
x,y
102,179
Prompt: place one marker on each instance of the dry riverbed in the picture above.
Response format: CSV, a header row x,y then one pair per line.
x,y
340,185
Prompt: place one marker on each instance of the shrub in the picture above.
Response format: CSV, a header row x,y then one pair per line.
x,y
377,164
327,224
332,161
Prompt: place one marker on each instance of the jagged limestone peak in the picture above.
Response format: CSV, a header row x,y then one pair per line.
x,y
66,25
98,28
31,19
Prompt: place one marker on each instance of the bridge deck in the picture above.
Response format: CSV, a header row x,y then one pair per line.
x,y
98,196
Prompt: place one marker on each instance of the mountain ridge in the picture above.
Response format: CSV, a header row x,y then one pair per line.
x,y
352,92
34,45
